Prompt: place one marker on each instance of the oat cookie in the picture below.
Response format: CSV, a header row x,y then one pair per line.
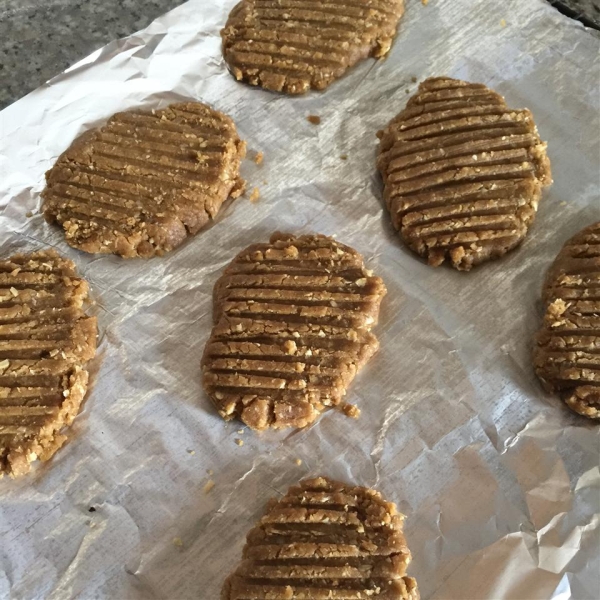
x,y
325,540
45,341
292,329
567,350
463,172
294,45
139,185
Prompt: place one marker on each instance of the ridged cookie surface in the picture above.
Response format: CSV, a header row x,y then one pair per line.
x,y
45,341
463,172
294,45
292,329
325,541
567,351
139,185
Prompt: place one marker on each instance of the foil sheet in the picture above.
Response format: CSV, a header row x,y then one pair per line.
x,y
499,480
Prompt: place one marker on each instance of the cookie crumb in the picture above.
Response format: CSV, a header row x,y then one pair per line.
x,y
177,542
4,364
298,461
344,157
240,431
503,23
351,411
563,203
258,158
29,214
239,442
191,452
314,119
424,2
210,472
209,485
91,509
414,79
255,195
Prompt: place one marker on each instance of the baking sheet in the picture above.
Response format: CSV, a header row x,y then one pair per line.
x,y
499,481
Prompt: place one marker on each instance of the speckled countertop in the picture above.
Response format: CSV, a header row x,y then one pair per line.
x,y
41,38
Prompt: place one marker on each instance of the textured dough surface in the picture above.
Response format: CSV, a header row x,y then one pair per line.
x,y
45,341
292,329
325,540
463,173
567,351
294,45
139,185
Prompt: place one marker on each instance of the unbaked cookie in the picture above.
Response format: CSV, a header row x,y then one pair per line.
x,y
294,45
292,329
463,172
567,351
139,185
45,341
325,540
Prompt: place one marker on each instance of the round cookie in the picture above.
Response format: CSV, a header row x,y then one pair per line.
x,y
567,350
292,329
463,173
139,185
294,45
325,540
45,341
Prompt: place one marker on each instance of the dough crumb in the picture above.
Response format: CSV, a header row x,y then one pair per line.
x,y
258,158
314,119
344,157
210,472
255,195
351,411
298,461
191,452
177,542
239,442
414,79
29,214
424,2
503,23
209,485
563,203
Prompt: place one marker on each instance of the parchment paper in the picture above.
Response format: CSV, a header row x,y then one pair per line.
x,y
500,482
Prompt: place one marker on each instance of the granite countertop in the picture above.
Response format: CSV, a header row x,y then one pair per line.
x,y
41,38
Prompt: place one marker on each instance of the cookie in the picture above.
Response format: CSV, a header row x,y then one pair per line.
x,y
567,350
45,341
463,173
294,45
292,329
325,540
139,185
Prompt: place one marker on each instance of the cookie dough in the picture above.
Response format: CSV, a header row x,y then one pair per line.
x,y
45,341
463,173
292,46
139,185
567,350
325,540
292,329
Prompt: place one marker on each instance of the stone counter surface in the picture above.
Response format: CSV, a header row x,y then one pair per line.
x,y
41,38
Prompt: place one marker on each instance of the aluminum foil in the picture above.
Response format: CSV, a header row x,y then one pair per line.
x,y
498,479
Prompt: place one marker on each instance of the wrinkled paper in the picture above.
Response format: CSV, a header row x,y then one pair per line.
x,y
499,481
